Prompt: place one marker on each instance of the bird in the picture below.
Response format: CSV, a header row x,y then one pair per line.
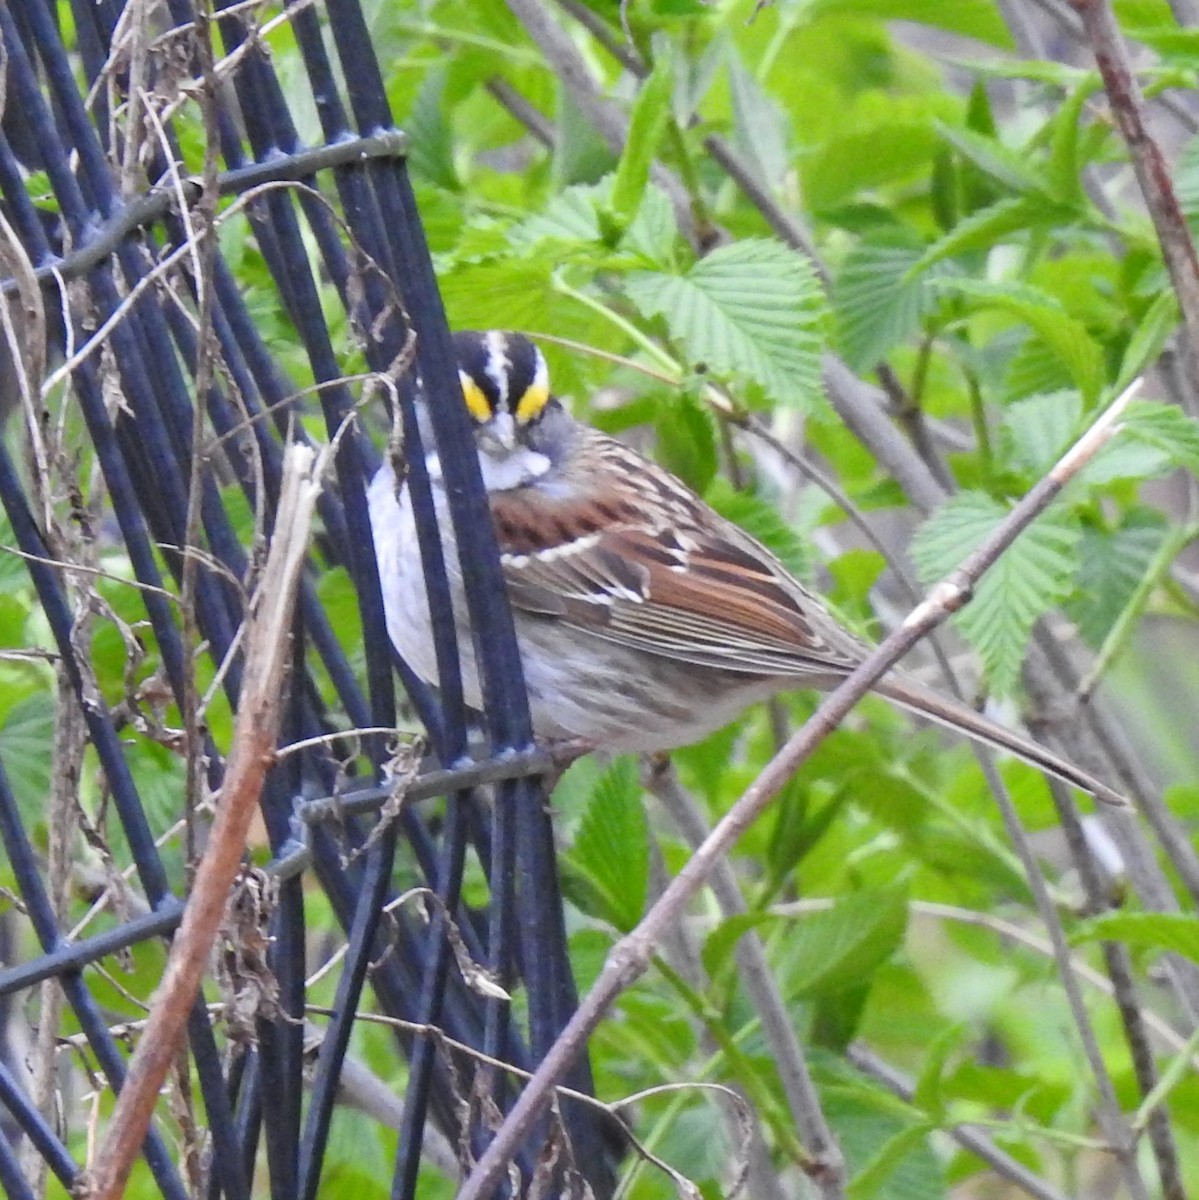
x,y
644,619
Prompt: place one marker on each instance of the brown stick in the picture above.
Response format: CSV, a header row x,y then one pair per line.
x,y
252,752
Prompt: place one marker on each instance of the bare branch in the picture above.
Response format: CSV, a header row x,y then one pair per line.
x,y
1153,175
254,736
630,957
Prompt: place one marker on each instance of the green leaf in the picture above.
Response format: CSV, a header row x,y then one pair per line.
x,y
1186,180
760,520
871,1181
929,1092
995,160
569,217
14,573
580,154
513,294
823,952
879,299
1036,431
799,826
651,111
1033,575
611,848
654,229
1165,428
686,440
1111,565
1150,335
978,19
751,310
864,1121
1034,370
1063,334
431,152
988,226
1066,163
759,125
856,162
1172,932
26,743
1177,46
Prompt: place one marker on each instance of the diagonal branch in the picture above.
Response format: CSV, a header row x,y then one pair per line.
x,y
631,956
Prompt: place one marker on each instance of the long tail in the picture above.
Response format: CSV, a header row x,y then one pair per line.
x,y
958,717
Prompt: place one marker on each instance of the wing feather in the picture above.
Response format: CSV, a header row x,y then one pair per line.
x,y
701,592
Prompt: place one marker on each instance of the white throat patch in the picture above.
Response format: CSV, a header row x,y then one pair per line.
x,y
518,467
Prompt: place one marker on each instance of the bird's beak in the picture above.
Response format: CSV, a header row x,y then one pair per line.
x,y
501,431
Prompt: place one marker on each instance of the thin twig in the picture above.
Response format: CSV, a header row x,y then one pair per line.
x,y
604,115
630,957
1006,1167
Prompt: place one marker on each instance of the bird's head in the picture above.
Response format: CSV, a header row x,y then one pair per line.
x,y
506,388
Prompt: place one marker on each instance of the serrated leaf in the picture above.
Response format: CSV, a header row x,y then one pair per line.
x,y
1036,431
1063,334
1035,369
879,301
651,111
611,848
686,440
1111,566
826,952
568,217
988,226
1146,343
431,152
871,1182
26,745
994,159
1171,932
1030,578
760,520
759,126
1065,163
654,230
1165,428
750,310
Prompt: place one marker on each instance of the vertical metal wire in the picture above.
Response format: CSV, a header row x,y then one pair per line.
x,y
153,461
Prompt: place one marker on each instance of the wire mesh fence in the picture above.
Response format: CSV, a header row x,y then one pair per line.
x,y
150,157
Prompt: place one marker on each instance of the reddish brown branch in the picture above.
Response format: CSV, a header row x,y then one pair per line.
x,y
252,752
1153,175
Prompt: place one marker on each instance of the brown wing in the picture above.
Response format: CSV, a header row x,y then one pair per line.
x,y
692,588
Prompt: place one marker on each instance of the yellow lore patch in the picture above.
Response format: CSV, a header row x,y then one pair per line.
x,y
531,403
476,402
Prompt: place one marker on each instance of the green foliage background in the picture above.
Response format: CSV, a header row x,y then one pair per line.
x,y
980,240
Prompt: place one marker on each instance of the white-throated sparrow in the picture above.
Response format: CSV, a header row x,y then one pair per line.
x,y
645,620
